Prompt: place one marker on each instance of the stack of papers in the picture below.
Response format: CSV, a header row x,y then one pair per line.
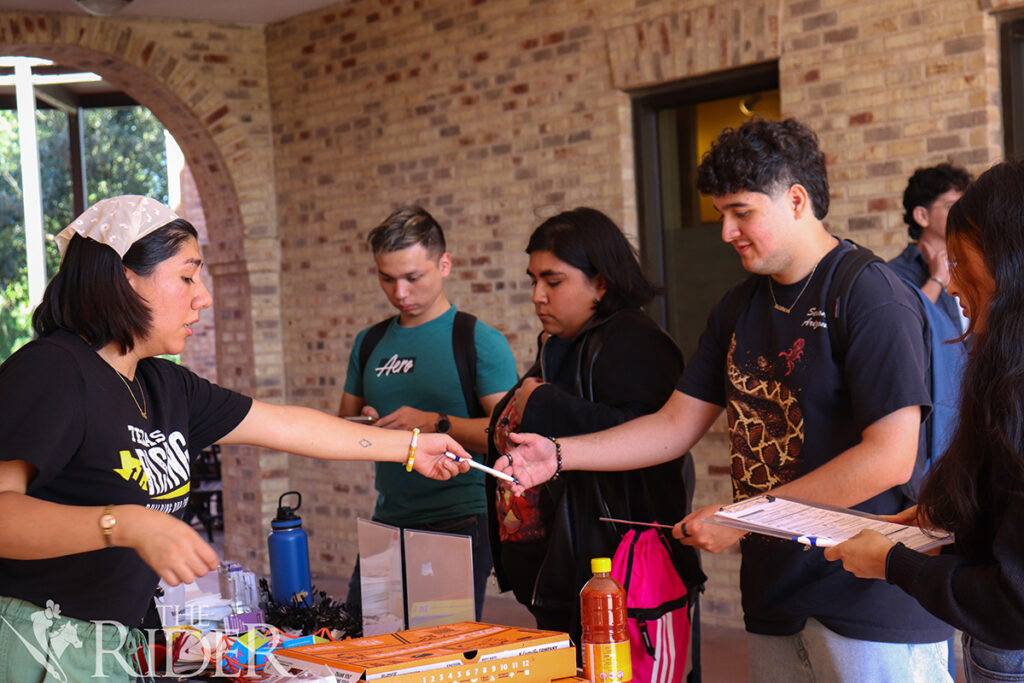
x,y
818,524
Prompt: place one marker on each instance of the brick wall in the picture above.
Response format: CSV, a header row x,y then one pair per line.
x,y
494,115
200,354
891,87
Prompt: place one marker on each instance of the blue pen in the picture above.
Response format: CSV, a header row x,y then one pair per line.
x,y
483,468
815,541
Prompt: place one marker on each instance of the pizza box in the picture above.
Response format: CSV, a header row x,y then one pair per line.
x,y
465,652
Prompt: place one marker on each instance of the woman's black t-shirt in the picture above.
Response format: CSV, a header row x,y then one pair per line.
x,y
68,413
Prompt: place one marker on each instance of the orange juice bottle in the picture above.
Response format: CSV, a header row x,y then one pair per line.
x,y
605,641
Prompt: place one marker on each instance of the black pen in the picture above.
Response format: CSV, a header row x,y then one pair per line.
x,y
627,521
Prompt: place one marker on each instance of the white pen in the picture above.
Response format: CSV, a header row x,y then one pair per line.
x,y
483,468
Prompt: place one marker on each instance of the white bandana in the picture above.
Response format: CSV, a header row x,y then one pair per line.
x,y
118,222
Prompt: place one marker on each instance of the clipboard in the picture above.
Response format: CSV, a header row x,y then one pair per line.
x,y
817,524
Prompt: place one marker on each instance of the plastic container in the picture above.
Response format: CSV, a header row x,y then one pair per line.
x,y
289,555
227,589
605,640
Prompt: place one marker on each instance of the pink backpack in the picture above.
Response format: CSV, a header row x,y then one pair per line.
x,y
657,607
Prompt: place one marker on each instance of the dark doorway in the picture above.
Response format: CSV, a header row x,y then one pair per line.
x,y
680,232
1011,43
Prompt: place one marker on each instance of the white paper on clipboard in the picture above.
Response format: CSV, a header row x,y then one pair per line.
x,y
793,518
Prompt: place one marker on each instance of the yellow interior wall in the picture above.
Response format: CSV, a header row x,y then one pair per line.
x,y
713,117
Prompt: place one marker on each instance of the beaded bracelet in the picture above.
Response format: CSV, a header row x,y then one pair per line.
x,y
412,449
558,458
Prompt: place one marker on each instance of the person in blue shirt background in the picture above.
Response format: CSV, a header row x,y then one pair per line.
x,y
926,202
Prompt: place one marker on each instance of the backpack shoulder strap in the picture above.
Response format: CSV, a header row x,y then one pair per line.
x,y
370,341
464,348
844,276
946,355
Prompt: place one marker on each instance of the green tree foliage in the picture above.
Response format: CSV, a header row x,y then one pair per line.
x,y
125,154
55,178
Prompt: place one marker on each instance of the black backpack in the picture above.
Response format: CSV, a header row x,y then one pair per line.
x,y
946,359
463,347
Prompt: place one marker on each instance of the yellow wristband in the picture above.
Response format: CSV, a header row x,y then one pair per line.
x,y
412,449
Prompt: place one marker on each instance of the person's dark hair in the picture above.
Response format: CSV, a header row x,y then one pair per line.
x,y
925,186
408,226
588,240
766,157
91,296
984,464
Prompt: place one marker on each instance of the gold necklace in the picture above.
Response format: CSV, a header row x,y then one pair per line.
x,y
142,408
771,290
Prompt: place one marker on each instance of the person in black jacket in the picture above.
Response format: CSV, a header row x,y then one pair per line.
x,y
601,362
976,490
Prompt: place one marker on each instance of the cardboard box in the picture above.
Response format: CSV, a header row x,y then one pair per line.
x,y
466,652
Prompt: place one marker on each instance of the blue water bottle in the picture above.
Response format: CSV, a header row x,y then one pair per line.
x,y
289,555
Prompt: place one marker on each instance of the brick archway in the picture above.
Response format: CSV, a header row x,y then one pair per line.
x,y
228,150
144,70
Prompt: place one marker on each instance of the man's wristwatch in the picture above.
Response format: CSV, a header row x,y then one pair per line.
x,y
107,523
443,424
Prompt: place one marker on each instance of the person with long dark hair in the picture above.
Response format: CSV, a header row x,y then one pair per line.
x,y
601,361
976,491
95,442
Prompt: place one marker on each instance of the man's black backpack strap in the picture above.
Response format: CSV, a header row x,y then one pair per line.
x,y
845,275
370,341
463,347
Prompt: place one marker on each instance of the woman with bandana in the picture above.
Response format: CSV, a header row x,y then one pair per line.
x,y
96,434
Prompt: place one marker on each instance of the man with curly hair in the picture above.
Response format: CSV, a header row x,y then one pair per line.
x,y
806,420
929,195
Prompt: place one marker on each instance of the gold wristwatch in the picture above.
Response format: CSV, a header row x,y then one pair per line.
x,y
107,523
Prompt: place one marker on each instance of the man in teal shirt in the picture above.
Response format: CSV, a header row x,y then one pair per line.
x,y
410,379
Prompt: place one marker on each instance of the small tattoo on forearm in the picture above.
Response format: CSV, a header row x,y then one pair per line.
x,y
364,443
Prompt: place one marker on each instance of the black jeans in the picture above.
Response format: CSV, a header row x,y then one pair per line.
x,y
476,528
